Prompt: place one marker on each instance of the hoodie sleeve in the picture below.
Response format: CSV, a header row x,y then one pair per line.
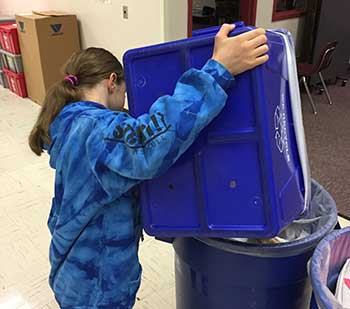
x,y
146,147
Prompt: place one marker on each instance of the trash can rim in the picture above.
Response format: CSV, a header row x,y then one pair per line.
x,y
291,248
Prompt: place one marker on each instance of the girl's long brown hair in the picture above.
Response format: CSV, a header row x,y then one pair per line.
x,y
90,66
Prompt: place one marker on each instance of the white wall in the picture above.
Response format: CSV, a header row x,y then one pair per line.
x,y
11,7
264,19
102,22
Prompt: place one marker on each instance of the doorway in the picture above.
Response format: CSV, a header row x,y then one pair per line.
x,y
209,13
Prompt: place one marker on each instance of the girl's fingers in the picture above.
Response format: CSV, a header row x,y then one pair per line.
x,y
261,50
261,60
257,41
225,30
250,35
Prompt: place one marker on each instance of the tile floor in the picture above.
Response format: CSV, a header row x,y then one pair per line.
x,y
26,186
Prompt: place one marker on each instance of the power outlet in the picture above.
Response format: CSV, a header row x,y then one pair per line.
x,y
125,12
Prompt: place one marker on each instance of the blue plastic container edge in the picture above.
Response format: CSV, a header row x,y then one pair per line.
x,y
283,249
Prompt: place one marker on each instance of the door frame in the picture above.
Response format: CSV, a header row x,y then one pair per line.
x,y
247,12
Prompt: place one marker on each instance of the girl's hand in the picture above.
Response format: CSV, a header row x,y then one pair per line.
x,y
242,52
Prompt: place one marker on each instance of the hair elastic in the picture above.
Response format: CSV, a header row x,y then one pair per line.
x,y
72,79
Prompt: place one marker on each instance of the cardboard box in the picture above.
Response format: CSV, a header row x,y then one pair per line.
x,y
47,40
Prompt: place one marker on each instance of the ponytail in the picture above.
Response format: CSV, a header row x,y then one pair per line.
x,y
58,96
83,70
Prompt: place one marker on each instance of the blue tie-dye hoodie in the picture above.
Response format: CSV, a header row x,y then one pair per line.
x,y
100,156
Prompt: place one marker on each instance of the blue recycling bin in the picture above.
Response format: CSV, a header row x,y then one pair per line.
x,y
325,267
247,174
217,273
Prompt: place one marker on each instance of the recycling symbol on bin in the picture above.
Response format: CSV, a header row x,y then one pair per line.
x,y
278,119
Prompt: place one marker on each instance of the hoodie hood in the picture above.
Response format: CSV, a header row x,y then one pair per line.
x,y
62,124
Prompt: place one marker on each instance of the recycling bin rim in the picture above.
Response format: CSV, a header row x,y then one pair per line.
x,y
291,248
315,266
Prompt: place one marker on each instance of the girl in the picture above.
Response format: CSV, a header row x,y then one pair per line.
x,y
100,154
